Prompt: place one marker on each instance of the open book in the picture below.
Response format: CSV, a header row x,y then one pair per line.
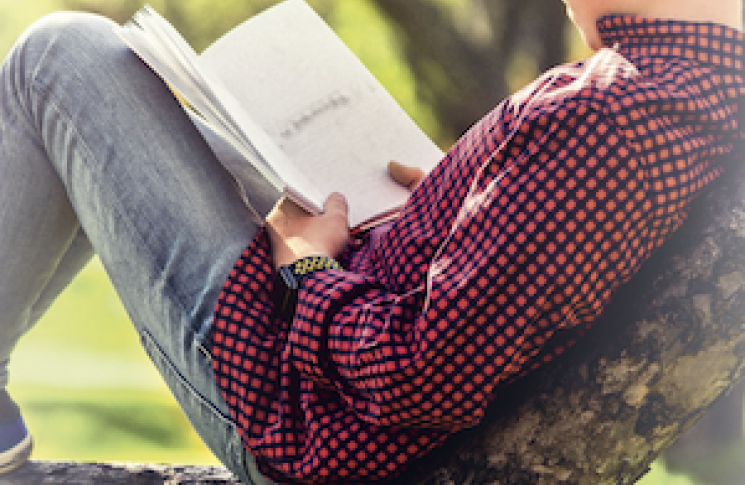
x,y
287,95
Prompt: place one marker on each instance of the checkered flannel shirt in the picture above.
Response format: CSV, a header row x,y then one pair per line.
x,y
515,241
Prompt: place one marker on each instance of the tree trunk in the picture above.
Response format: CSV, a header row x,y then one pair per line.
x,y
672,341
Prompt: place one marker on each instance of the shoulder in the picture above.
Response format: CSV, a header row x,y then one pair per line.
x,y
599,92
621,89
593,84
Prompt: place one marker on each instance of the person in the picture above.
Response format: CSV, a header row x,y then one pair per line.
x,y
301,354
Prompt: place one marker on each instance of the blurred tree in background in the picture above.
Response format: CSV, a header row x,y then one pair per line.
x,y
465,56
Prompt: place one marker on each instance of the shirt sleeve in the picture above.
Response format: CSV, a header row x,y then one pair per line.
x,y
527,251
520,235
523,234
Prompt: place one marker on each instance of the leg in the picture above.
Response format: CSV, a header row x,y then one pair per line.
x,y
33,208
131,169
78,254
15,441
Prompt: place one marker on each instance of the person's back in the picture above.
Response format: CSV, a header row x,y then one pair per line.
x,y
505,252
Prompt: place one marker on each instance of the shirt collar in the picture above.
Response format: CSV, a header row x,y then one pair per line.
x,y
704,42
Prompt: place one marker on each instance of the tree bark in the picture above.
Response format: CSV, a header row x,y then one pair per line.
x,y
672,341
74,473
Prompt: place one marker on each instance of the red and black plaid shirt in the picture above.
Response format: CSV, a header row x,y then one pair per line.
x,y
525,229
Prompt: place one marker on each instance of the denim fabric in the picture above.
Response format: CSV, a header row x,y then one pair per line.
x,y
97,156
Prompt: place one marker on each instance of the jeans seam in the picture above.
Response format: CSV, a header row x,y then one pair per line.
x,y
151,343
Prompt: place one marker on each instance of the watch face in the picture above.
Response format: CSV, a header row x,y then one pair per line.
x,y
287,277
286,293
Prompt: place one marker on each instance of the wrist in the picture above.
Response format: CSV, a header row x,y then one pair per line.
x,y
295,249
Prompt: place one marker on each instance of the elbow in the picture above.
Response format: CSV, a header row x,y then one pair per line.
x,y
413,392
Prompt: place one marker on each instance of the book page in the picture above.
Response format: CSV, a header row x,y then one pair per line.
x,y
216,113
316,101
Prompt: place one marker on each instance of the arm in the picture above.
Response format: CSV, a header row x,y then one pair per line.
x,y
348,325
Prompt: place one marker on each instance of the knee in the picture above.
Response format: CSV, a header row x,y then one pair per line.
x,y
68,28
67,37
65,46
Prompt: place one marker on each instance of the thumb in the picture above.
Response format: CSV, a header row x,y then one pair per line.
x,y
405,175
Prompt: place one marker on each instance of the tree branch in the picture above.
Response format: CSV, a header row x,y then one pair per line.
x,y
64,473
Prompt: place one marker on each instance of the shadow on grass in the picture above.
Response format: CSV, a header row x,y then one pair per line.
x,y
100,426
112,422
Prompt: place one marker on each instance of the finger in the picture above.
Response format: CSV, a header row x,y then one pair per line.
x,y
284,213
335,232
285,204
405,175
290,208
336,204
336,213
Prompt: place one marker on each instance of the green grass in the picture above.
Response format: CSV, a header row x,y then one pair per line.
x,y
89,392
109,425
659,475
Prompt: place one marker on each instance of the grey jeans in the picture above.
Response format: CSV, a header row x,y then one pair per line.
x,y
97,156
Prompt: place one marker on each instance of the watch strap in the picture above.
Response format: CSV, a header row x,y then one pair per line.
x,y
289,278
305,266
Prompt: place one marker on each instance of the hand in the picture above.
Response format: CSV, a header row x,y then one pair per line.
x,y
409,177
296,234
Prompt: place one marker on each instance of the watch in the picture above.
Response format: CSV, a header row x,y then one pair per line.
x,y
288,281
